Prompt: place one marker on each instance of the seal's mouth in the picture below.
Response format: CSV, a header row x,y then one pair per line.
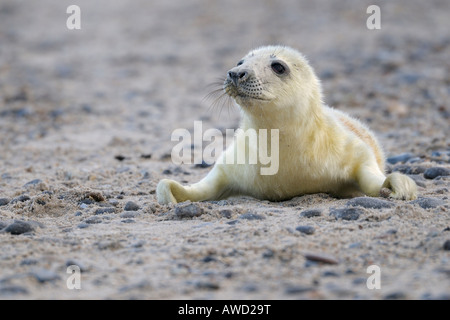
x,y
251,90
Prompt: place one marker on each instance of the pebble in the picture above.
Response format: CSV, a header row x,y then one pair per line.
x,y
251,216
3,225
207,285
19,227
104,210
311,213
129,214
395,296
428,203
4,201
305,229
321,258
405,169
249,287
330,274
29,262
203,165
32,183
93,220
435,172
119,157
346,213
268,254
131,206
446,245
44,275
113,202
21,198
73,262
368,202
296,289
226,213
189,210
12,289
400,158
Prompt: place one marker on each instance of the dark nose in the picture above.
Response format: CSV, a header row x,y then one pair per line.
x,y
237,77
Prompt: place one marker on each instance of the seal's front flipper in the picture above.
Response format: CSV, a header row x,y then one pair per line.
x,y
212,187
402,187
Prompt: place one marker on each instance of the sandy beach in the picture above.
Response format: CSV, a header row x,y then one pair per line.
x,y
86,118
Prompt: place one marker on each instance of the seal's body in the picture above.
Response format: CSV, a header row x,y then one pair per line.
x,y
320,149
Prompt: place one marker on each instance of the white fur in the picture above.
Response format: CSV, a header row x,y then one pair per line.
x,y
320,149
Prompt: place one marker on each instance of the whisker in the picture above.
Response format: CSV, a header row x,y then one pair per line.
x,y
219,97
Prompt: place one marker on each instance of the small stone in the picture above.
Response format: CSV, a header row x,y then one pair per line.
x,y
226,213
400,158
311,213
385,192
207,285
4,201
120,157
368,202
28,262
105,210
83,206
93,220
146,175
113,202
435,172
268,254
415,160
249,287
3,225
87,201
296,289
12,289
251,216
21,198
209,258
131,206
203,165
189,210
19,227
33,182
346,213
146,156
72,262
447,245
330,274
129,214
321,258
428,203
44,275
305,229
395,296
128,221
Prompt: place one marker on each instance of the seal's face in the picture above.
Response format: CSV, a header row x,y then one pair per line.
x,y
279,76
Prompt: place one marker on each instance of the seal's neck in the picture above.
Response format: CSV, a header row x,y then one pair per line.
x,y
301,116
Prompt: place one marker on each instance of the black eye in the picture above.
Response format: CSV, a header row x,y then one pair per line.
x,y
240,62
278,68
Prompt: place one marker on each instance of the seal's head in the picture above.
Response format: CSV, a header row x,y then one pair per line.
x,y
273,77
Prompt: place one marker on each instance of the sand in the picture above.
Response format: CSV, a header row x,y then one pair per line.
x,y
86,118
